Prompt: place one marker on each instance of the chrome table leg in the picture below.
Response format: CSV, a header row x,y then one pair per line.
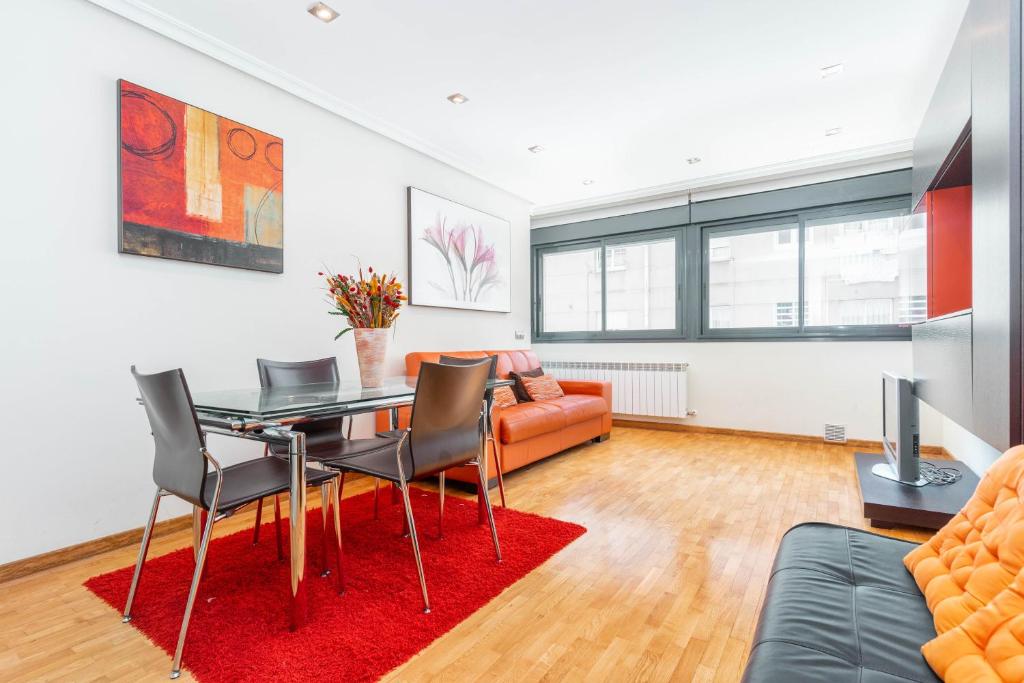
x,y
297,527
376,498
147,535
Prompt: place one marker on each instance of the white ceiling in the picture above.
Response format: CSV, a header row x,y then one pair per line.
x,y
619,92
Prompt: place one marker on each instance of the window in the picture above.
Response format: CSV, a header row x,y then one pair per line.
x,y
642,287
855,270
758,287
633,290
865,269
572,289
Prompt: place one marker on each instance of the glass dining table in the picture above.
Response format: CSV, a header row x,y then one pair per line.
x,y
267,415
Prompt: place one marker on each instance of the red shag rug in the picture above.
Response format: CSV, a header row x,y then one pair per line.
x,y
239,627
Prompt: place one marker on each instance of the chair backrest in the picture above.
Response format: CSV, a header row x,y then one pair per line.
x,y
512,360
179,465
275,373
445,419
454,360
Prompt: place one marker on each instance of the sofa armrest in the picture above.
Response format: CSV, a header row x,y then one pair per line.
x,y
594,388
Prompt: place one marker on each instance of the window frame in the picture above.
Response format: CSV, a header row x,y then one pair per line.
x,y
894,332
692,311
603,243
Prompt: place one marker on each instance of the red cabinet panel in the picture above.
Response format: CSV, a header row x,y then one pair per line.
x,y
949,249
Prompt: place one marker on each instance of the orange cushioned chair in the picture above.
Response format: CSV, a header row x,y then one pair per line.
x,y
527,432
970,574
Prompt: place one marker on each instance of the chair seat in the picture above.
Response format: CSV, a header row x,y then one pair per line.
x,y
381,463
336,449
255,479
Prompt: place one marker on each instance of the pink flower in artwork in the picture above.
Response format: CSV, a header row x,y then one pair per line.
x,y
459,241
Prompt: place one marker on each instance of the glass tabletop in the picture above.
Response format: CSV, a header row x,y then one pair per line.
x,y
309,399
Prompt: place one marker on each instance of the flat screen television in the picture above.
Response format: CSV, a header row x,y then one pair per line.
x,y
900,433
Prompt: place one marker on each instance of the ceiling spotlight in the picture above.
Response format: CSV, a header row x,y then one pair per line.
x,y
536,149
323,12
693,160
588,181
829,132
832,70
457,98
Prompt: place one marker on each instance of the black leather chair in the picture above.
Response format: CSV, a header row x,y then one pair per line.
x,y
326,439
841,607
444,432
181,468
488,422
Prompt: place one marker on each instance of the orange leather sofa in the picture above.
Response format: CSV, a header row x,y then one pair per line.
x,y
527,432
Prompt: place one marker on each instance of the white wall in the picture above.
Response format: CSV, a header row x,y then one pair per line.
x,y
788,387
965,446
77,314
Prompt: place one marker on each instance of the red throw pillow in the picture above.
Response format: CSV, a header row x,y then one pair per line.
x,y
518,388
543,388
503,397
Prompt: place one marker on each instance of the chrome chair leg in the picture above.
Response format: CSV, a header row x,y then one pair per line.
x,y
259,506
440,507
376,498
338,488
200,563
197,531
259,522
497,468
147,534
490,512
325,504
415,545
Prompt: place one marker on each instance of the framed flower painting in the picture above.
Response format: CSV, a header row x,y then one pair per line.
x,y
458,257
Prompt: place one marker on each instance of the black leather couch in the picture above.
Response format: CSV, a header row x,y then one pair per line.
x,y
840,608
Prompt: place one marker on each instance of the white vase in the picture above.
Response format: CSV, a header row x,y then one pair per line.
x,y
371,348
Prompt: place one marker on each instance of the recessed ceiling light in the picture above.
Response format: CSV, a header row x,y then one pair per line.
x,y
323,12
536,149
588,181
829,132
457,98
693,160
832,70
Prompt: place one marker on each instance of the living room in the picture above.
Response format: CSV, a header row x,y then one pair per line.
x,y
573,312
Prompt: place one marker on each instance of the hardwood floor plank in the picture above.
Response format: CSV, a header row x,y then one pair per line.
x,y
666,584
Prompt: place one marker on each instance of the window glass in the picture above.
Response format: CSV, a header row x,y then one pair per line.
x,y
572,290
864,270
753,278
641,285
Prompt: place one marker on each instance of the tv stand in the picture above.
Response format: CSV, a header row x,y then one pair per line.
x,y
889,504
885,470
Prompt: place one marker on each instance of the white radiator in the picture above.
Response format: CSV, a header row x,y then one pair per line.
x,y
648,389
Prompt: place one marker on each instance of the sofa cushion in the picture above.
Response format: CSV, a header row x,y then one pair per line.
x,y
840,607
543,388
580,407
519,388
979,552
527,420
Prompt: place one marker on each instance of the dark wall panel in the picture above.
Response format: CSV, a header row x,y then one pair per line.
x,y
996,135
947,114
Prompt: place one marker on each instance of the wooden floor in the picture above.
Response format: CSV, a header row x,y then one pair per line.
x,y
665,585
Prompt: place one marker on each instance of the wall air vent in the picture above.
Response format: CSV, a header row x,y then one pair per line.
x,y
835,433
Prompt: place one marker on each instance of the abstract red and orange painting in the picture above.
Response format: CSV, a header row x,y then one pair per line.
x,y
196,186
